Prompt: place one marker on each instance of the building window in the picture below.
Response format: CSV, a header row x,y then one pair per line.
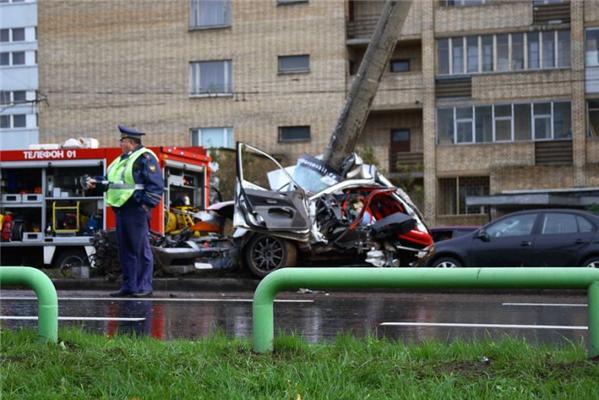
x,y
13,121
592,47
472,54
504,123
464,125
593,118
503,52
211,77
294,64
465,3
542,120
289,2
443,56
453,193
14,97
400,65
213,137
209,13
518,51
12,35
294,134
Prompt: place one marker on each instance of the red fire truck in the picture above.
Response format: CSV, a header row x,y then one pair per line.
x,y
48,219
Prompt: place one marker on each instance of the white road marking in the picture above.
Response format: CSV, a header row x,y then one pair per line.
x,y
504,326
175,299
544,304
33,318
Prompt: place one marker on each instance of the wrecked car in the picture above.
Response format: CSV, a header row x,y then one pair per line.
x,y
300,213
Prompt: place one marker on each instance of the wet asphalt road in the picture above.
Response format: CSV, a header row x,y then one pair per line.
x,y
317,316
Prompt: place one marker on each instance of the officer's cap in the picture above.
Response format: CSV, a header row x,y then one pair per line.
x,y
132,133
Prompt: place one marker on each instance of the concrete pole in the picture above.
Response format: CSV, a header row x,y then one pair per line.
x,y
364,87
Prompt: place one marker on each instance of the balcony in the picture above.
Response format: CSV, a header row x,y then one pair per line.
x,y
551,13
365,14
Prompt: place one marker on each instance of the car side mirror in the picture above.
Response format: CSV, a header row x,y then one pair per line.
x,y
483,235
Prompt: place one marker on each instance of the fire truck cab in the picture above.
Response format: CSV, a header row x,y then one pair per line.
x,y
48,219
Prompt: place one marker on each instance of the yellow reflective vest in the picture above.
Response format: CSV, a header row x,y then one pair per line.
x,y
120,175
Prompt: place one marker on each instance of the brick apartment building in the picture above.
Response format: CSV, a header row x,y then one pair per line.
x,y
486,104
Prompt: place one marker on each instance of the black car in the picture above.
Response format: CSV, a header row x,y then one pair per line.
x,y
440,233
535,238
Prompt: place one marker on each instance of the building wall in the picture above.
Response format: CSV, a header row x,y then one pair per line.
x,y
128,62
20,77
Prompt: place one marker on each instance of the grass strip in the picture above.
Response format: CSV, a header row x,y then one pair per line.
x,y
89,366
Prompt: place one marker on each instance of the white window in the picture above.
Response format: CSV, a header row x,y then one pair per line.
x,y
507,52
542,120
464,125
209,13
472,54
484,124
503,52
13,121
213,137
211,77
522,122
457,59
503,123
518,51
592,47
510,122
487,53
294,64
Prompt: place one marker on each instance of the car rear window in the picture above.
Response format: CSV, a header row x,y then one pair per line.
x,y
556,223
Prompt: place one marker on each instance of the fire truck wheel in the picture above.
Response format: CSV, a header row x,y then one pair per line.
x,y
70,258
264,254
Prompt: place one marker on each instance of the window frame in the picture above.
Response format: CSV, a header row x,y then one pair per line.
x,y
280,138
400,60
198,132
305,70
526,55
193,17
550,118
228,82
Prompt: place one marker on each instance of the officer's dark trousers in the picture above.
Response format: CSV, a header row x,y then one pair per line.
x,y
135,253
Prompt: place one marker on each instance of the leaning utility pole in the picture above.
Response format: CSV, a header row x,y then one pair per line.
x,y
364,87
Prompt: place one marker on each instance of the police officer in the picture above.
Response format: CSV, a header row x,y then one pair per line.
x,y
135,186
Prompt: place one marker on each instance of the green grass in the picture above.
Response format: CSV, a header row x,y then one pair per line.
x,y
86,366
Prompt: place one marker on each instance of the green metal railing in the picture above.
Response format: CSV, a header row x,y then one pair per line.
x,y
420,278
46,295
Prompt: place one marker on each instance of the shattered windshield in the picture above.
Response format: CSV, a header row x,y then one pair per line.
x,y
313,175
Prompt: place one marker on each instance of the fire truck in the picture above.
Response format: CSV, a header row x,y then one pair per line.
x,y
48,219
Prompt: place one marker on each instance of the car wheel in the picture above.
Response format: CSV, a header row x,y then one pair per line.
x,y
71,258
446,262
264,254
592,262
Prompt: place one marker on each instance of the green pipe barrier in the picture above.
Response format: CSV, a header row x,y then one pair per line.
x,y
46,295
420,278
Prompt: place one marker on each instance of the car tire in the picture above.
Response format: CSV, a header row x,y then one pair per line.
x,y
70,258
591,262
446,262
265,253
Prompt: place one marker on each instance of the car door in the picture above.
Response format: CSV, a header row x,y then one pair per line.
x,y
283,210
561,237
507,242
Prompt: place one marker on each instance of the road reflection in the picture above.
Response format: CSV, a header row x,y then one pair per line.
x,y
318,317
